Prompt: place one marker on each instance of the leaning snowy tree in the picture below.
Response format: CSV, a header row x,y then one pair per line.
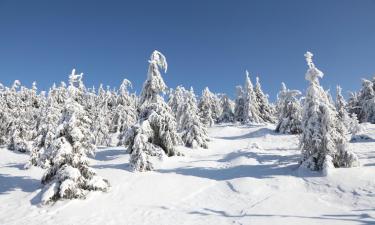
x,y
289,111
323,141
69,175
155,135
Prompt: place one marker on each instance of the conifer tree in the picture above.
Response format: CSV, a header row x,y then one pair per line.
x,y
69,175
49,121
266,111
193,131
239,105
251,107
125,114
155,134
206,108
323,141
227,115
289,111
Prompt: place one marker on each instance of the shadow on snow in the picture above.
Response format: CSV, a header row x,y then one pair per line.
x,y
270,165
254,134
10,183
109,154
363,218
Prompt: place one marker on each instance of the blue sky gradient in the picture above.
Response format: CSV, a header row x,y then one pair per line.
x,y
207,43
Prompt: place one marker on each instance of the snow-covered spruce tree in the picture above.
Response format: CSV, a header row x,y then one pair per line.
x,y
353,104
227,115
193,131
239,105
266,111
125,114
9,112
49,121
217,108
323,141
366,102
69,175
176,100
209,108
251,107
5,115
100,116
76,88
289,111
155,134
280,99
341,108
24,118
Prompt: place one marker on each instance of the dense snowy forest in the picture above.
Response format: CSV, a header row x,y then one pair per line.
x,y
60,129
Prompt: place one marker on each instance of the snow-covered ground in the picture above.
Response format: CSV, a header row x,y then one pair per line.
x,y
249,175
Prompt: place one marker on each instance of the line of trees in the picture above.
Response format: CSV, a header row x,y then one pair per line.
x,y
61,128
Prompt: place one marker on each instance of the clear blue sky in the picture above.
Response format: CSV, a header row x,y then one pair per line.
x,y
207,43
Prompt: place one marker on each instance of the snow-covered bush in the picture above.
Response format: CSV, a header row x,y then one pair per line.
x,y
155,134
323,141
289,111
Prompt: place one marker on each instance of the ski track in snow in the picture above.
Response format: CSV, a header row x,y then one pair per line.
x,y
249,175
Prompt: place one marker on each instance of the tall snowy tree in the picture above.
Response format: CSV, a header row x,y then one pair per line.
x,y
69,175
155,134
323,141
289,111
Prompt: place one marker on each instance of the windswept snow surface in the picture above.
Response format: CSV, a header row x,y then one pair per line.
x,y
249,175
